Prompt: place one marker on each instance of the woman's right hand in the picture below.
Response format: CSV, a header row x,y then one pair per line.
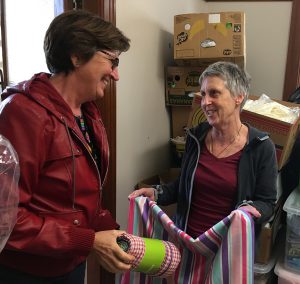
x,y
145,191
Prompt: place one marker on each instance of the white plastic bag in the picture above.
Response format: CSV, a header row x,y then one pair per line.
x,y
9,194
266,106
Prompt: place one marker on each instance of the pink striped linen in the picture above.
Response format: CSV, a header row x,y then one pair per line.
x,y
224,254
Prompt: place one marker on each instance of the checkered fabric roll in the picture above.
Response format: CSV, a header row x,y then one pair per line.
x,y
152,256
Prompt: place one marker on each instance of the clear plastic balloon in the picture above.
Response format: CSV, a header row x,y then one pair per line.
x,y
9,194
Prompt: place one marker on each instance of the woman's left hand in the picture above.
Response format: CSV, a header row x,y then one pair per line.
x,y
252,210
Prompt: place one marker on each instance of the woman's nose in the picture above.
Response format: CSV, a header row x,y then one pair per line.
x,y
205,100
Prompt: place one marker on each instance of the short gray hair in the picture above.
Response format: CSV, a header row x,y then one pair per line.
x,y
236,80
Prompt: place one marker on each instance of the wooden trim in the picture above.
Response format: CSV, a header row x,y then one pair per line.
x,y
3,44
292,77
108,11
68,4
107,106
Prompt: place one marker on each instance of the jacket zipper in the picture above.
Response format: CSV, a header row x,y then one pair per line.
x,y
192,181
108,156
101,184
108,153
74,164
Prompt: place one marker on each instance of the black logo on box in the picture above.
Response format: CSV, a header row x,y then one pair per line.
x,y
237,28
192,79
182,37
227,52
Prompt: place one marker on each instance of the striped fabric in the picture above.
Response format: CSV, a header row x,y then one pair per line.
x,y
224,254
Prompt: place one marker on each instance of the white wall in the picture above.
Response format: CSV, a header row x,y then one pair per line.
x,y
143,126
25,37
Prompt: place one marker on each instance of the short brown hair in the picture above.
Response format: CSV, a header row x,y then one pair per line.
x,y
79,33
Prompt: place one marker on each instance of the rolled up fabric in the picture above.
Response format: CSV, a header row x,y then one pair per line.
x,y
152,256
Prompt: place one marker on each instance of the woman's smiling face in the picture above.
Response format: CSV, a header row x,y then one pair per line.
x,y
217,102
94,75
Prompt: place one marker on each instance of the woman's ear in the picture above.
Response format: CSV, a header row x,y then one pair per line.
x,y
75,60
239,99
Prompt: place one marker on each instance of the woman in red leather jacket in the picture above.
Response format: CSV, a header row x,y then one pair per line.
x,y
56,128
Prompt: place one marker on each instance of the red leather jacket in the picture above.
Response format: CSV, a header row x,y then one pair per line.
x,y
60,184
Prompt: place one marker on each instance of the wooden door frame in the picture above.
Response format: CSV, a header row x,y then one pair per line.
x,y
4,79
292,69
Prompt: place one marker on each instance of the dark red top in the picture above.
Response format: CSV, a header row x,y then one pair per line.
x,y
214,192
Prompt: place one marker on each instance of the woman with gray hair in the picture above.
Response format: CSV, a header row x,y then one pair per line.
x,y
226,164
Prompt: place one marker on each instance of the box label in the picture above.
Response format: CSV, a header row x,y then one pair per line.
x,y
184,99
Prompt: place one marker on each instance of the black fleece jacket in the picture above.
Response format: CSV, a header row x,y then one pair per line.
x,y
257,174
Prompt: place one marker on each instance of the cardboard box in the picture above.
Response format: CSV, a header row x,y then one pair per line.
x,y
269,237
240,61
185,117
165,177
283,134
196,115
209,35
180,82
179,119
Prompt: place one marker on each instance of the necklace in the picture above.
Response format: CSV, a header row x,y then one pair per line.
x,y
82,125
230,143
